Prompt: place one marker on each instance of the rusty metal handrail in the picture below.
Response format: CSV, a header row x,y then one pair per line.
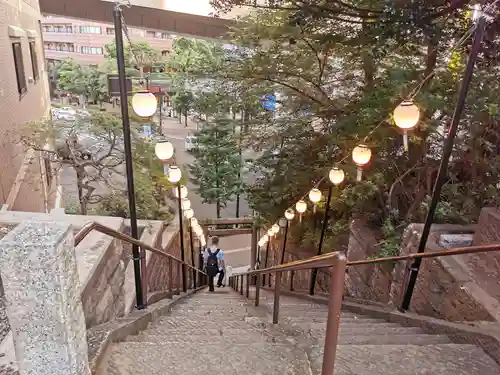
x,y
125,237
338,263
430,254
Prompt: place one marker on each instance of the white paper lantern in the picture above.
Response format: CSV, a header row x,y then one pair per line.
x,y
275,228
194,221
301,206
361,155
270,233
315,195
185,203
184,192
164,150
289,214
144,104
189,213
174,174
406,116
336,176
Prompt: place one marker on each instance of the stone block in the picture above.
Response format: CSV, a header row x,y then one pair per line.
x,y
42,293
449,241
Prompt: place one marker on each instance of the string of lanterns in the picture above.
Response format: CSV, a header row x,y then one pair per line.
x,y
406,117
164,151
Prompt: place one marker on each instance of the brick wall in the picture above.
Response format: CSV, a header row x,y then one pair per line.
x,y
446,288
158,266
16,110
372,282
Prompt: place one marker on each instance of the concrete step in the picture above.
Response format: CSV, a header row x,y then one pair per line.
x,y
128,358
442,359
243,336
211,336
401,339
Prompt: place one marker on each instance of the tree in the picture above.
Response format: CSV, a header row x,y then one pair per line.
x,y
94,150
346,70
88,82
183,101
217,162
138,55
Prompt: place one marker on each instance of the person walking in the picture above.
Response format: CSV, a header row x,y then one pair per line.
x,y
214,263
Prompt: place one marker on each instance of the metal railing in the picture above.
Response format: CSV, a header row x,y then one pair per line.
x,y
337,262
181,266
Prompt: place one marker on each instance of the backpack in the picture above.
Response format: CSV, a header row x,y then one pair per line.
x,y
212,259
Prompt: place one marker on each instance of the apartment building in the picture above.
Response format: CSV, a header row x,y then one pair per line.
x,y
84,41
25,182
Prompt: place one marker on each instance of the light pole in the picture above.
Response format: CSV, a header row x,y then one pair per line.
x,y
336,177
138,257
174,176
289,215
443,167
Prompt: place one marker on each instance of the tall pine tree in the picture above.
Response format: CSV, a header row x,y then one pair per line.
x,y
217,163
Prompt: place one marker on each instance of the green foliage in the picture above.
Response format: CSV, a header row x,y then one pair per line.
x,y
348,66
79,80
217,162
137,56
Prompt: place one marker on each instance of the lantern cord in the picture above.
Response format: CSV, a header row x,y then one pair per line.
x,y
487,11
126,33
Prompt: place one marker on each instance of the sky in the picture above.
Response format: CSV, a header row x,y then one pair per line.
x,y
199,7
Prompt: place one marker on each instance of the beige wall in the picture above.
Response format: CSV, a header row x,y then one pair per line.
x,y
160,41
21,18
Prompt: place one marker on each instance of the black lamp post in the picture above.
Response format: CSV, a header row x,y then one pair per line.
x,y
443,167
314,273
138,258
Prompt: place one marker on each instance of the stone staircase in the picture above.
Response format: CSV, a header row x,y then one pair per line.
x,y
224,333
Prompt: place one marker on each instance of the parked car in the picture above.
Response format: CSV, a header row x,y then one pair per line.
x,y
64,113
190,142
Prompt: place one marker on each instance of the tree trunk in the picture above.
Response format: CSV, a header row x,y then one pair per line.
x,y
81,198
218,208
185,118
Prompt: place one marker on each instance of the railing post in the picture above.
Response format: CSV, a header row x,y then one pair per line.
x,y
292,274
237,281
247,286
276,309
257,289
179,278
241,284
334,308
170,277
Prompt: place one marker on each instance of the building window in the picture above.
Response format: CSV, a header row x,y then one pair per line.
x,y
110,31
20,74
58,28
165,52
92,50
34,61
90,30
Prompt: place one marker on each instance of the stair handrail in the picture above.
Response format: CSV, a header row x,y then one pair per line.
x,y
338,263
82,233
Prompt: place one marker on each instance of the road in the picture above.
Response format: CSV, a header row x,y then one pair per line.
x,y
176,132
